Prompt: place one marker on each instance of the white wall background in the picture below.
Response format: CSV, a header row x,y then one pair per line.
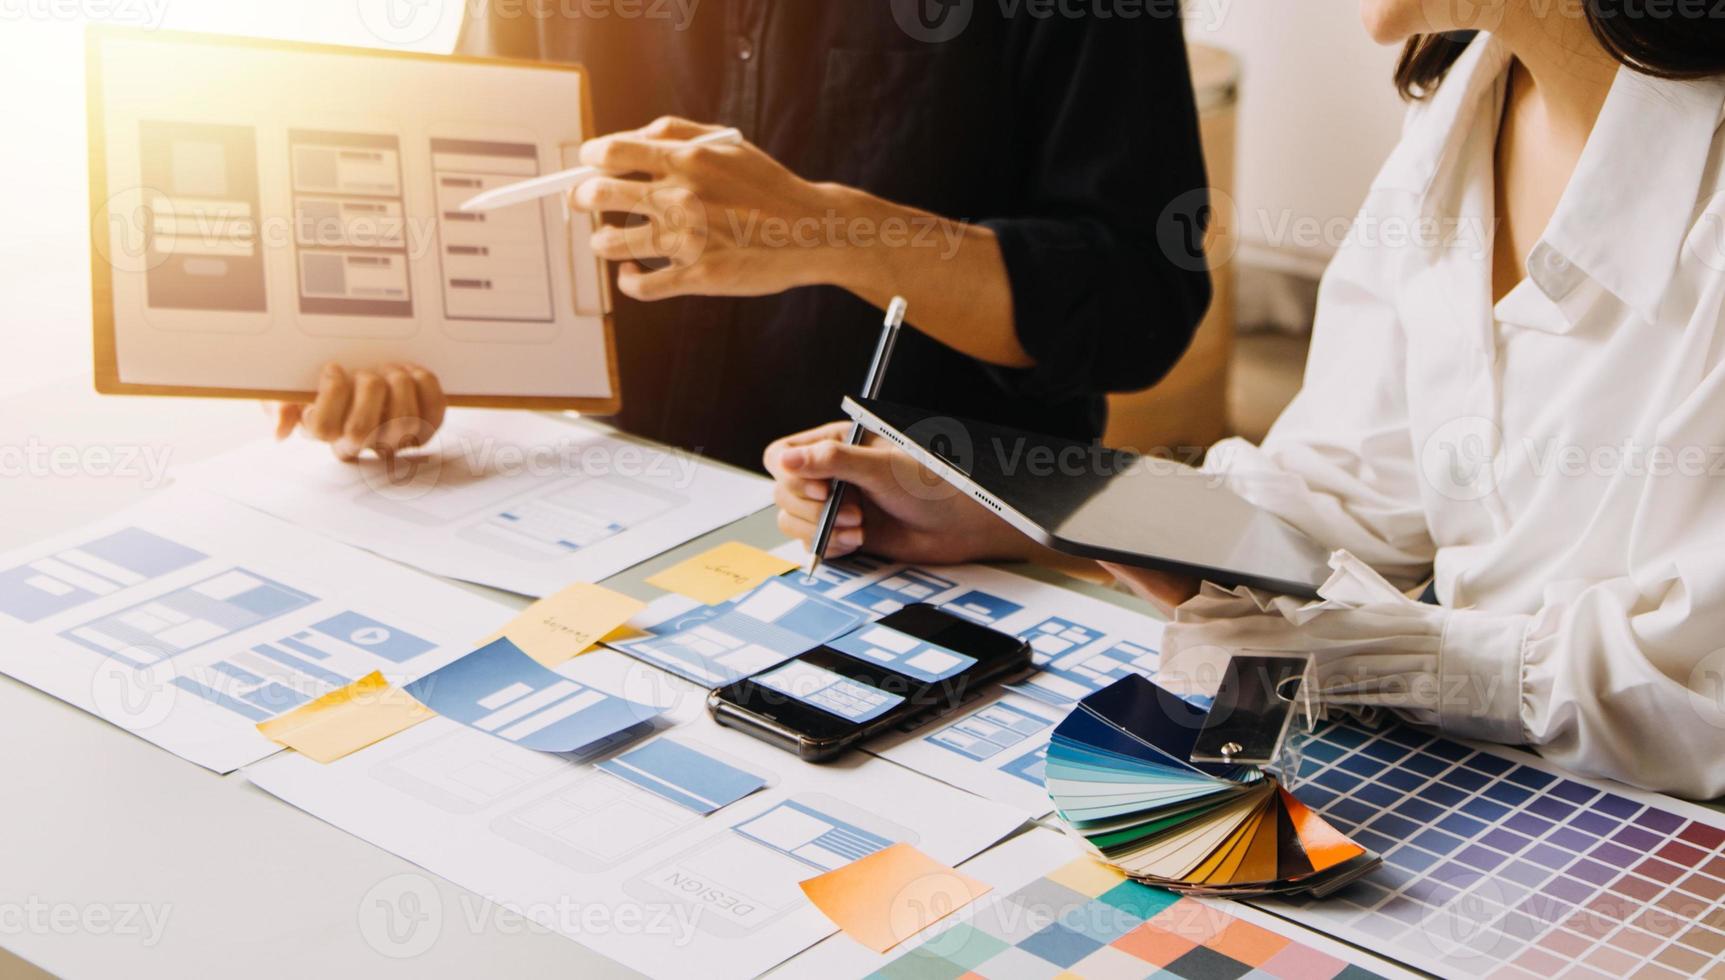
x,y
1318,116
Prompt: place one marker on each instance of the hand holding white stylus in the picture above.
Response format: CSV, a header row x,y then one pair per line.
x,y
564,181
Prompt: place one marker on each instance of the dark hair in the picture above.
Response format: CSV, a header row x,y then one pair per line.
x,y
1674,40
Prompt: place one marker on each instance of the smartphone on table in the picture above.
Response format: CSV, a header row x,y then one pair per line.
x,y
892,674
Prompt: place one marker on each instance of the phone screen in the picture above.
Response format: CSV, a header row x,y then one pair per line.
x,y
915,662
832,692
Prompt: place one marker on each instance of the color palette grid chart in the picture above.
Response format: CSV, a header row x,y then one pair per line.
x,y
1086,920
1497,865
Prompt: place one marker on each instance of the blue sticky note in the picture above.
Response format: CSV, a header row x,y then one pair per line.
x,y
685,775
503,692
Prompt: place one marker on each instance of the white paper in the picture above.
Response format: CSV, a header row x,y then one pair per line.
x,y
995,748
621,870
269,210
514,500
199,618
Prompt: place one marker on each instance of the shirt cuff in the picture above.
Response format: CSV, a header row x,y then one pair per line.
x,y
1479,673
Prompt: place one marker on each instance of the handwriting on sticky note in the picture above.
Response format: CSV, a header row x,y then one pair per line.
x,y
722,573
565,625
346,719
885,898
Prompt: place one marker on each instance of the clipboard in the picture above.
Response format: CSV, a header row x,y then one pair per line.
x,y
260,207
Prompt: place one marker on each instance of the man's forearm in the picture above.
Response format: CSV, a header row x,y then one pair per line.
x,y
952,274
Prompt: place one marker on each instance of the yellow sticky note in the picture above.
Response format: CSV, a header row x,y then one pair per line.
x,y
347,719
562,626
722,573
885,898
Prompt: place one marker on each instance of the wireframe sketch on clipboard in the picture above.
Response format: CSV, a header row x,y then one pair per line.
x,y
261,208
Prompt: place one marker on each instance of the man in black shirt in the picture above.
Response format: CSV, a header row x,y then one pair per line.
x,y
1013,167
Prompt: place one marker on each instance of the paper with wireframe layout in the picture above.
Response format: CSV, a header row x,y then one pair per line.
x,y
689,776
994,749
513,500
248,231
621,870
188,619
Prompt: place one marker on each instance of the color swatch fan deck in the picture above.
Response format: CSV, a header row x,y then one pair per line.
x,y
1119,777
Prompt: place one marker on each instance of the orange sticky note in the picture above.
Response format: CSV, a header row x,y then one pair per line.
x,y
885,898
346,719
560,627
722,573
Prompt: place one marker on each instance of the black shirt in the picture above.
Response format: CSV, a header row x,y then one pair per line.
x,y
1074,138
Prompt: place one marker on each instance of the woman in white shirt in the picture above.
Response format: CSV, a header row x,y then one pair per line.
x,y
1516,391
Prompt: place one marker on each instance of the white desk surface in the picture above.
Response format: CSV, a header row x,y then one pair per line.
x,y
94,818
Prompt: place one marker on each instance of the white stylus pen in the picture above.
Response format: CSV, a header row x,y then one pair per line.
x,y
564,181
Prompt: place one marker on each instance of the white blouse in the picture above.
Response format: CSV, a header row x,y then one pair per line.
x,y
1557,461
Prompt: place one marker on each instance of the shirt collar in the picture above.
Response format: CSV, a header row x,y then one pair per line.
x,y
1631,201
1438,127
